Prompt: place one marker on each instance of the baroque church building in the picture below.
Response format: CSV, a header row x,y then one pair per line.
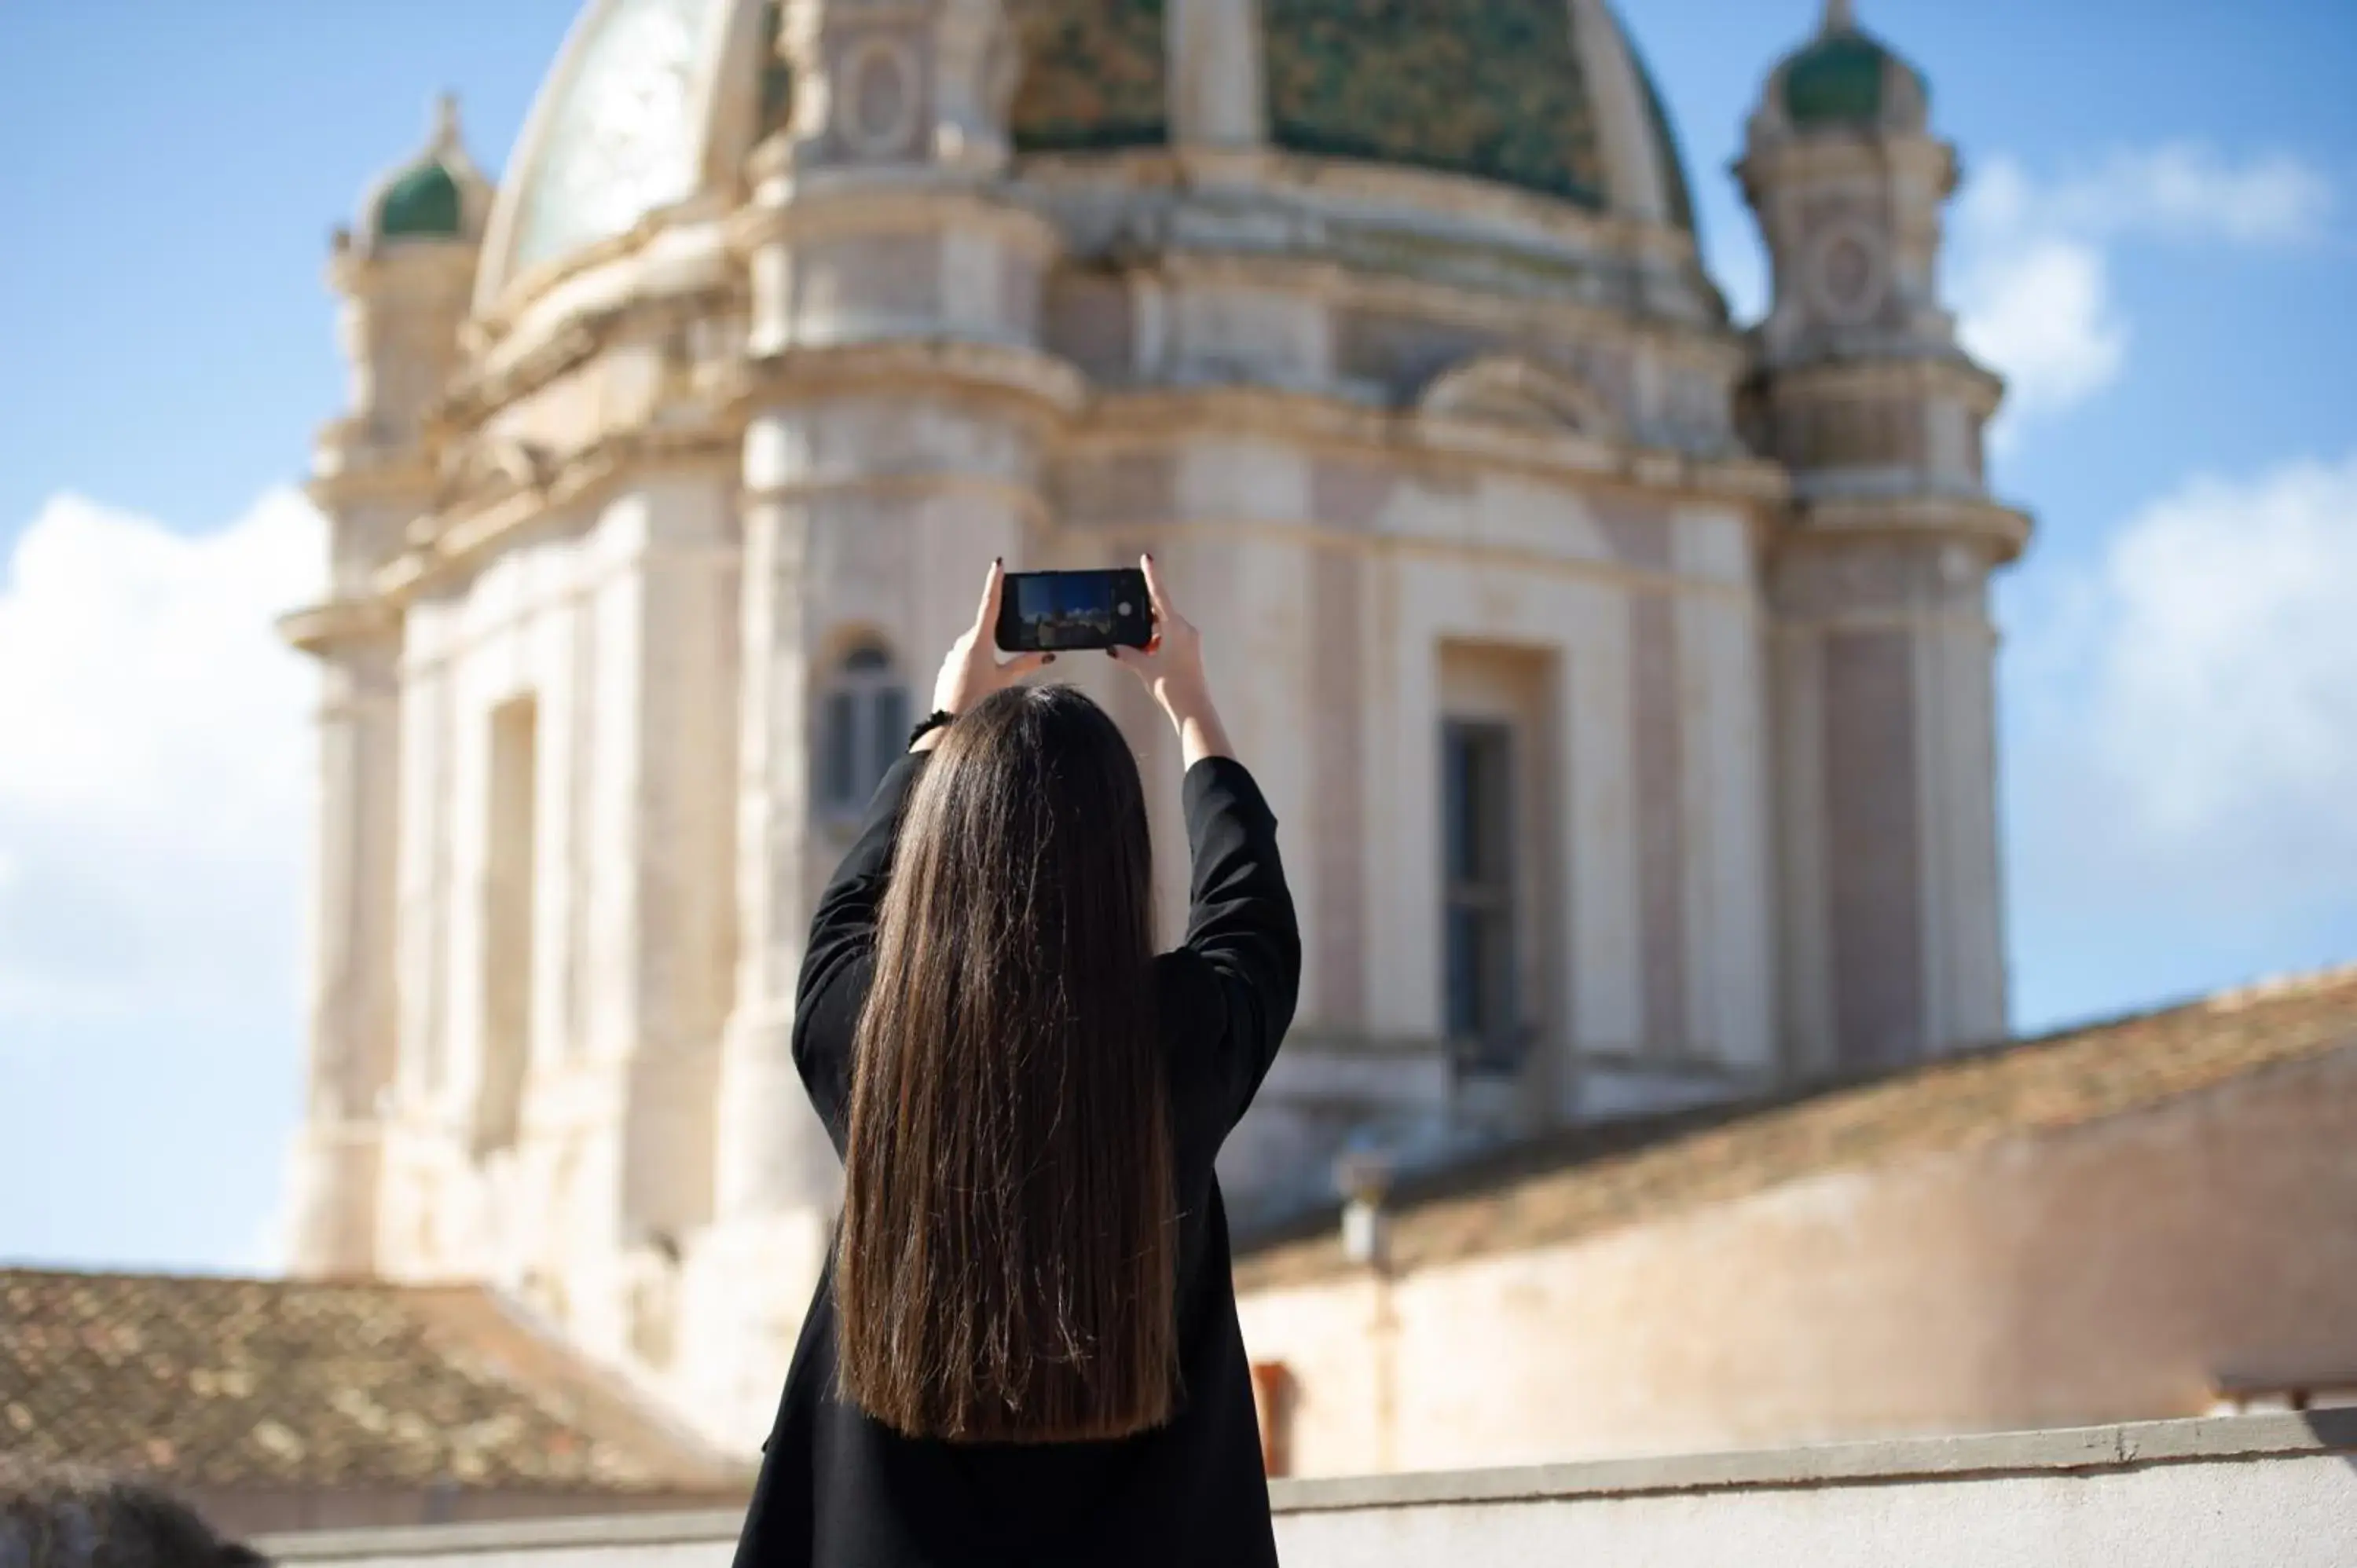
x,y
1622,675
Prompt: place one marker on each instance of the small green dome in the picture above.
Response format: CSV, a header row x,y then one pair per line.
x,y
423,202
1846,78
1840,80
435,195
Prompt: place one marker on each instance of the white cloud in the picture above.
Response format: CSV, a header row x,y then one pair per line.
x,y
154,784
2043,314
2228,677
2034,256
2191,704
2183,191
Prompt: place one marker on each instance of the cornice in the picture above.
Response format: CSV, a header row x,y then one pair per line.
x,y
1906,375
2002,529
684,224
409,483
1821,156
464,531
417,261
1330,188
349,468
1152,415
1042,382
835,205
484,389
321,629
1342,285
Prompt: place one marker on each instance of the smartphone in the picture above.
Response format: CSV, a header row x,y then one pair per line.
x,y
1044,611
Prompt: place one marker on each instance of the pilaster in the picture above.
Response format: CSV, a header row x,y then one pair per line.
x,y
895,402
338,1155
1218,101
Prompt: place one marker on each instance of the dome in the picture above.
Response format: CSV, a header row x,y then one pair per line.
x,y
437,195
654,101
1504,91
422,201
1846,79
617,131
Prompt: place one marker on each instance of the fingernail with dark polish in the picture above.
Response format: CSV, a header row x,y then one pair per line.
x,y
1049,659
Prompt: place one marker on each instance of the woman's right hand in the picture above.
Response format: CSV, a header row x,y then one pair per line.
x,y
1172,668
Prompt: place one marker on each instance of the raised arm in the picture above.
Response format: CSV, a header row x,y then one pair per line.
x,y
1240,924
1239,920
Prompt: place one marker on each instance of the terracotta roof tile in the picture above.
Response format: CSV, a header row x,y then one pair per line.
x,y
1592,1180
238,1382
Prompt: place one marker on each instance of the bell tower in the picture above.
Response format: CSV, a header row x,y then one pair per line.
x,y
404,274
1883,650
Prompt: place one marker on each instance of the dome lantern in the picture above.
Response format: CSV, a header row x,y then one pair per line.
x,y
1846,79
438,196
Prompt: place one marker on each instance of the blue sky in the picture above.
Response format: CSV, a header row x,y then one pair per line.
x,y
2158,242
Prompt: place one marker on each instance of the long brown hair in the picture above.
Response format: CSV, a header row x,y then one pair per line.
x,y
1006,1267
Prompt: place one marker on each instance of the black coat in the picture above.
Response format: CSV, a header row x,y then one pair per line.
x,y
838,1488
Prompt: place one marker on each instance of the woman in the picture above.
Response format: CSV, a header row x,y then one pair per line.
x,y
1025,1347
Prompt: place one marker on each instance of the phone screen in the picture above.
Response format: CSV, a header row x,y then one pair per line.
x,y
1043,611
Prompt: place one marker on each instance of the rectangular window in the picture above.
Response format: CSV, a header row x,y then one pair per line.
x,y
508,907
1478,805
840,753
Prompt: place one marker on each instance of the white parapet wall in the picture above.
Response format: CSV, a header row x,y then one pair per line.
x,y
2265,1491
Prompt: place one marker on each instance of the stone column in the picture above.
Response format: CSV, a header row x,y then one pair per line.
x,y
773,1155
338,1154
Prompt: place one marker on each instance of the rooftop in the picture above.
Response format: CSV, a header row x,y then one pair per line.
x,y
1590,1179
219,1384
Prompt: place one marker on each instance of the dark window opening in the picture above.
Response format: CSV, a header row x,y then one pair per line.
x,y
1483,1012
863,728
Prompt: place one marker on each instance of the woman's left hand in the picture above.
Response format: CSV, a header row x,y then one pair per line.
x,y
972,670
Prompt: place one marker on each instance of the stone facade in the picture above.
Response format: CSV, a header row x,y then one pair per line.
x,y
671,470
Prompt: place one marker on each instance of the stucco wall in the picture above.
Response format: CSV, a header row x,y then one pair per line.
x,y
2262,1491
2106,1272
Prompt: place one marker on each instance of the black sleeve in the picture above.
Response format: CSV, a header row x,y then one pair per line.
x,y
1240,926
838,962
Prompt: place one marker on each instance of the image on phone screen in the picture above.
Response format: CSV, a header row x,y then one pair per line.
x,y
1044,611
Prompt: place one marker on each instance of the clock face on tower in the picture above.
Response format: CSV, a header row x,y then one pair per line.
x,y
621,140
1847,274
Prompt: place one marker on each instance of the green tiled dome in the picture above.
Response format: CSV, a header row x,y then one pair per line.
x,y
423,202
1492,89
1095,75
1680,194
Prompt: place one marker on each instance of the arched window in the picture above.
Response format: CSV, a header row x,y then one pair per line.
x,y
862,727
